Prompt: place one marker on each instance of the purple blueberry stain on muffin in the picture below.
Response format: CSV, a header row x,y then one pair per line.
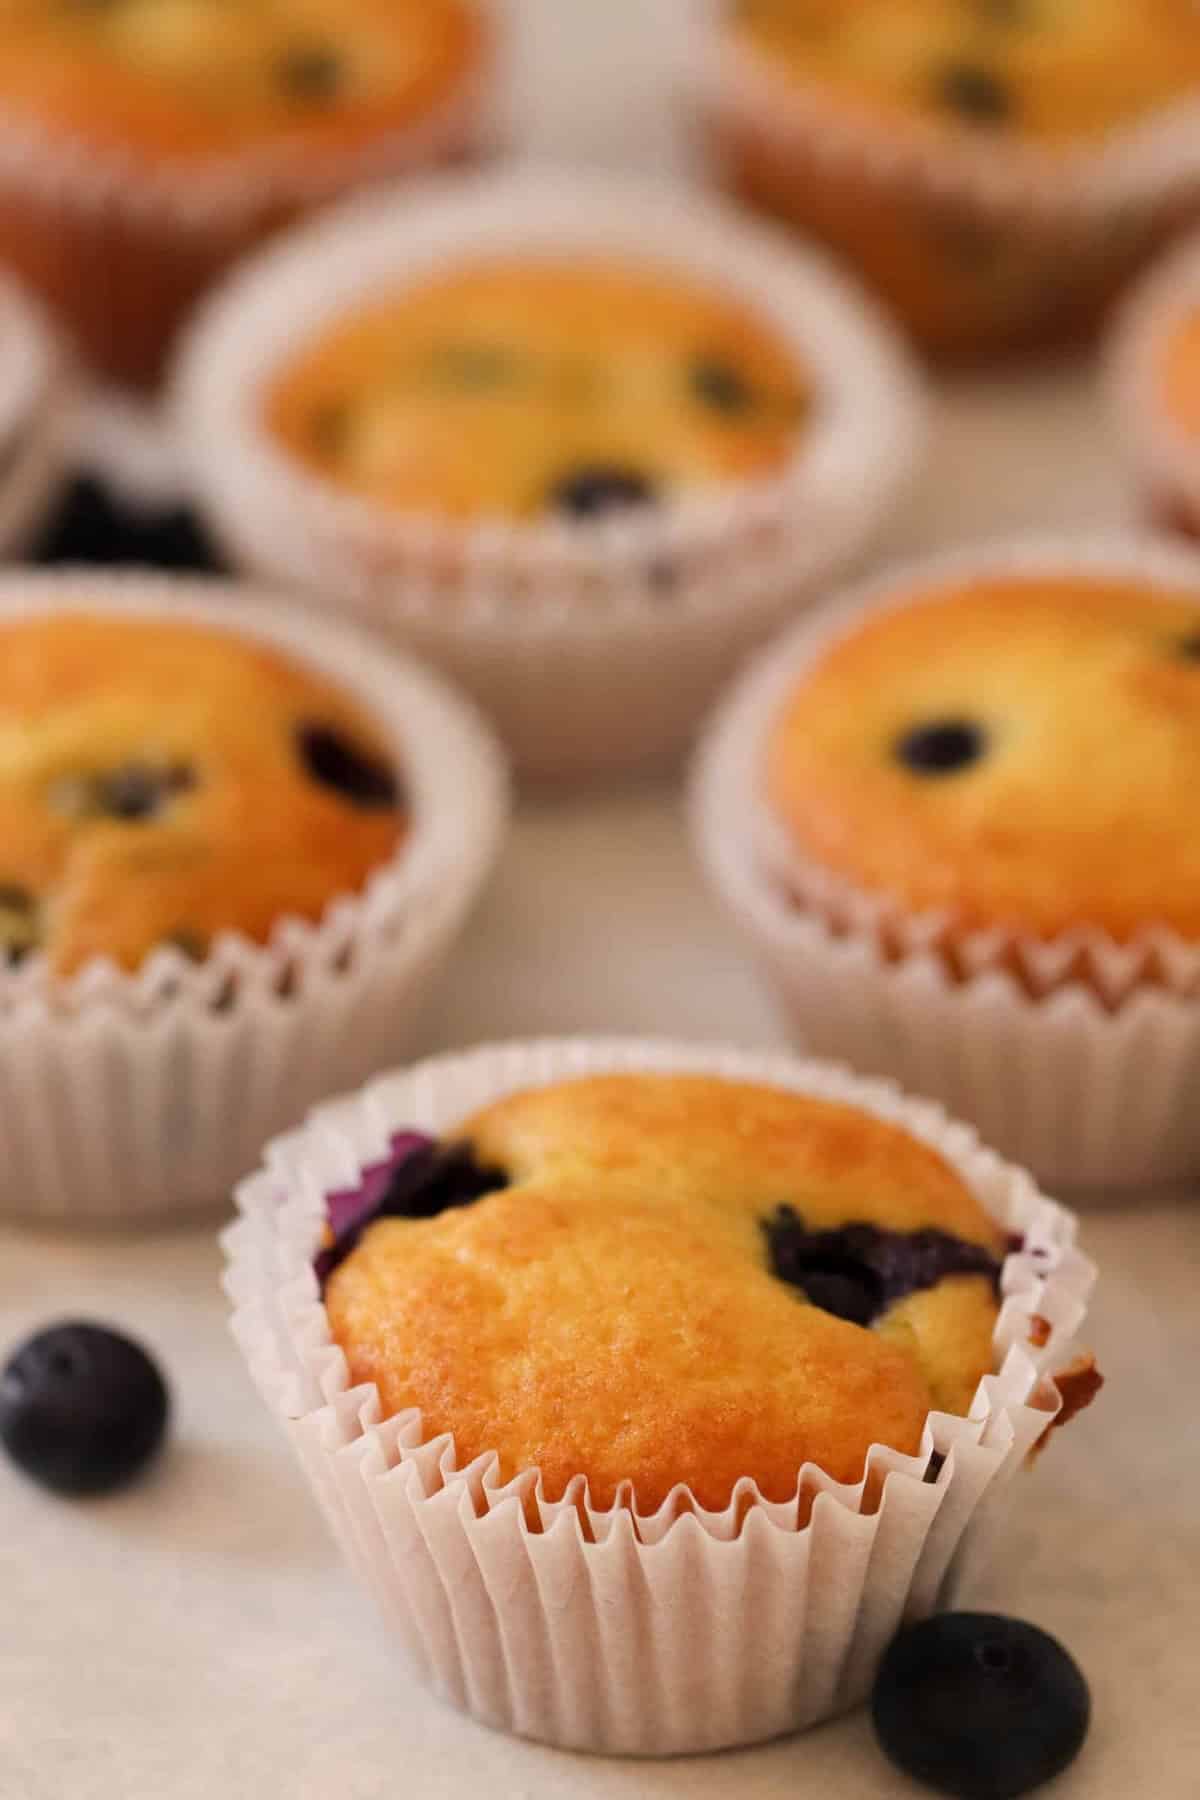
x,y
419,1178
858,1271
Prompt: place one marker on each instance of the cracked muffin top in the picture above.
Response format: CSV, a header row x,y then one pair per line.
x,y
526,388
666,1279
1050,71
179,80
164,782
1019,751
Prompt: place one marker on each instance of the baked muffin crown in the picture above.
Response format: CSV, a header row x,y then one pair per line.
x,y
163,782
1055,74
674,1280
530,385
198,79
1013,750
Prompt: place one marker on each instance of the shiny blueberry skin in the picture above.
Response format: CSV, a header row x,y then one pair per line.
x,y
82,1408
980,1707
589,492
334,762
942,747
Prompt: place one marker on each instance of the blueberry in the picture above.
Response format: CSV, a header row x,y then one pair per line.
x,y
310,72
18,923
1189,647
977,94
720,386
334,762
137,792
419,1180
942,747
598,488
857,1271
190,943
82,1409
981,1707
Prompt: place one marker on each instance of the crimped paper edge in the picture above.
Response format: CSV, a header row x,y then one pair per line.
x,y
822,908
854,458
426,885
281,1326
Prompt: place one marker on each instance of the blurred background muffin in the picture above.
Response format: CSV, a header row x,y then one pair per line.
x,y
144,144
995,168
1153,380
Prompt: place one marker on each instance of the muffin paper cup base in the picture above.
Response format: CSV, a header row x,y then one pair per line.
x,y
133,1098
610,1630
594,648
1079,1058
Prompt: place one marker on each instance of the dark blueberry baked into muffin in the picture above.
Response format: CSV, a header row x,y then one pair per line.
x,y
527,388
1050,70
161,783
663,1280
1016,751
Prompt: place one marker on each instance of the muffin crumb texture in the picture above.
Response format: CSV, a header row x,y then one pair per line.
x,y
666,1280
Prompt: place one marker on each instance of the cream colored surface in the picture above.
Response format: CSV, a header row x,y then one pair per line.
x,y
200,1639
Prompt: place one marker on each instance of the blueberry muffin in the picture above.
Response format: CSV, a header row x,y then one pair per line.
x,y
281,103
162,783
524,388
967,144
666,1279
1014,751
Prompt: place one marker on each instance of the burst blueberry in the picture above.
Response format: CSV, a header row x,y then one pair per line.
x,y
600,488
857,1271
942,747
419,1179
333,761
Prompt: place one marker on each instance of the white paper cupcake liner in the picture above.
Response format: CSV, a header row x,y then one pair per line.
x,y
34,387
1077,1056
1164,458
597,646
681,1631
134,242
1068,221
129,1097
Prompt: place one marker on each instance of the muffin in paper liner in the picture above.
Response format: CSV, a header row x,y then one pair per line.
x,y
120,246
1163,456
547,622
133,1097
979,244
35,388
1076,1055
685,1630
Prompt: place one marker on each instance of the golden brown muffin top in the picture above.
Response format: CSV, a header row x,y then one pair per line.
x,y
653,1298
1180,373
180,80
525,386
163,782
1021,751
1047,70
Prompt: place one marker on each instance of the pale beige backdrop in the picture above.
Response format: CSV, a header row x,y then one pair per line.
x,y
197,1640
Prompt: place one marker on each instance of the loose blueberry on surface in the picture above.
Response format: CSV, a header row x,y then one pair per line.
x,y
978,1706
942,747
857,1271
310,72
591,491
334,762
419,1180
720,386
82,1409
976,93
